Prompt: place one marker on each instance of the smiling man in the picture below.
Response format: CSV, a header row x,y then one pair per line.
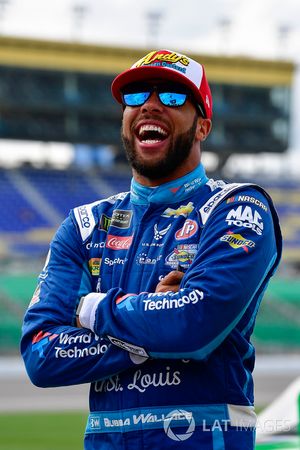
x,y
159,142
151,295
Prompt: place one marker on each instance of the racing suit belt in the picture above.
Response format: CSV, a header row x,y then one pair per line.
x,y
154,418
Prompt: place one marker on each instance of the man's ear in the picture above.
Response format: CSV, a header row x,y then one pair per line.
x,y
203,128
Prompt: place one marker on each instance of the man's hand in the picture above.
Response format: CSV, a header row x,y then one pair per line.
x,y
170,282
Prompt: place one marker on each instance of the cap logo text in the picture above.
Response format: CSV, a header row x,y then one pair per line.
x,y
166,57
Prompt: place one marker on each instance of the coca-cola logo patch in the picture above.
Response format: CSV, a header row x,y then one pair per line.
x,y
118,242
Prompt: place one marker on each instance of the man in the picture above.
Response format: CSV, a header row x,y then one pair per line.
x,y
151,295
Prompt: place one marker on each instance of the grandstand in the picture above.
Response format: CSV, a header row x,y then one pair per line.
x,y
36,202
53,91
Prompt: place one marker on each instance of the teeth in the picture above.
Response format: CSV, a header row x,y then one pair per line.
x,y
151,141
155,128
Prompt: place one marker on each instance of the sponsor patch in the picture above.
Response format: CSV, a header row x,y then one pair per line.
x,y
159,234
213,201
74,349
143,258
118,242
183,210
94,266
230,200
115,261
247,199
182,256
190,227
244,216
172,300
121,218
91,245
104,222
40,341
237,241
69,346
125,301
85,219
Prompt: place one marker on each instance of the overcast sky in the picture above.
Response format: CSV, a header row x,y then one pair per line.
x,y
261,28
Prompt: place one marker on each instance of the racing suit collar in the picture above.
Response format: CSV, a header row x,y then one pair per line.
x,y
171,192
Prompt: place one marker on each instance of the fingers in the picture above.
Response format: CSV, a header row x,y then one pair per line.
x,y
173,277
170,282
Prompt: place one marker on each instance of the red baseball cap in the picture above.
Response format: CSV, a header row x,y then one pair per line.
x,y
169,65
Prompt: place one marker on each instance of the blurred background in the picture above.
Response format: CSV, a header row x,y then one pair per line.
x,y
60,143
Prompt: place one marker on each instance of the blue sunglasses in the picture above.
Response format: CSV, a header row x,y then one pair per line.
x,y
171,95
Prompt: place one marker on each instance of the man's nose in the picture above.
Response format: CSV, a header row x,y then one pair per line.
x,y
153,103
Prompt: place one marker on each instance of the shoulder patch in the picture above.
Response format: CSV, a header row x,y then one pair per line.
x,y
213,201
85,219
116,197
215,184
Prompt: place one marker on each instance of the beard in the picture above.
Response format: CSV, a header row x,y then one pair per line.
x,y
177,153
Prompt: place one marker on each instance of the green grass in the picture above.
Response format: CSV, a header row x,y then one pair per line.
x,y
64,431
293,444
42,431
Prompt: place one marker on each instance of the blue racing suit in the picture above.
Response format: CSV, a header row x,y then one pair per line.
x,y
167,370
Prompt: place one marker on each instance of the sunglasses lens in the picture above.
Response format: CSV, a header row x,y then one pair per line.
x,y
172,98
170,94
135,98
